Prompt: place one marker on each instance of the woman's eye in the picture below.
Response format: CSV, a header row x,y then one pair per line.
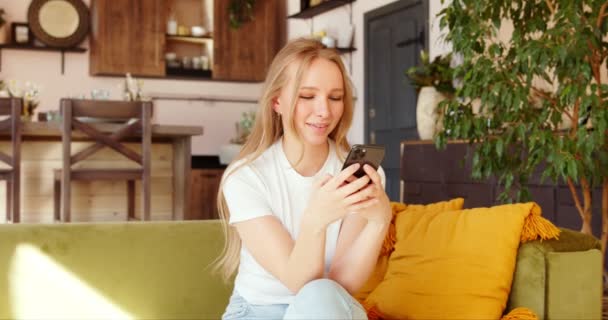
x,y
307,97
336,98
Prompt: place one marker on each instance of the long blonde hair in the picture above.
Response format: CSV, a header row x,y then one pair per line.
x,y
268,128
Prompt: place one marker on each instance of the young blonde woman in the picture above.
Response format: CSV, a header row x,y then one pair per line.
x,y
303,233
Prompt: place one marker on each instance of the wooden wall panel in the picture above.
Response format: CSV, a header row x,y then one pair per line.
x,y
95,201
426,179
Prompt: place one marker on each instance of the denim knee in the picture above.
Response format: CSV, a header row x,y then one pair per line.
x,y
321,287
324,299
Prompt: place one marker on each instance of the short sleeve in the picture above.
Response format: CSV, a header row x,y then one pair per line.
x,y
244,192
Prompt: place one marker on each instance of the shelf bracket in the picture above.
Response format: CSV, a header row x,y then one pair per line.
x,y
62,62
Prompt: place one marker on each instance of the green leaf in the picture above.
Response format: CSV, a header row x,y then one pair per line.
x,y
499,147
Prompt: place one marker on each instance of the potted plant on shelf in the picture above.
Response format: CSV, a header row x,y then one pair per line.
x,y
548,68
239,12
243,128
433,84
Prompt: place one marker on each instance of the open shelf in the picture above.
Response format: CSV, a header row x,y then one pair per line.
x,y
189,73
346,50
40,48
320,8
17,46
190,39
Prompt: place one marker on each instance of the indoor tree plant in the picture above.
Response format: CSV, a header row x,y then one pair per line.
x,y
433,84
549,68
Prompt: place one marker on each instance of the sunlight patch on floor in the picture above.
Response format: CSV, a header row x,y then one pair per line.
x,y
39,288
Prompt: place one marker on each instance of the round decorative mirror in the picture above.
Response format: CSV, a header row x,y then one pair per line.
x,y
59,23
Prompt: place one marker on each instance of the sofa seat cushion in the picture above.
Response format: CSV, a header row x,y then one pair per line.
x,y
139,270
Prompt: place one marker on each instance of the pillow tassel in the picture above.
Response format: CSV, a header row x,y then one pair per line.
x,y
536,227
389,241
391,238
520,313
372,312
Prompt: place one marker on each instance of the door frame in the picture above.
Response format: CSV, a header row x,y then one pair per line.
x,y
374,14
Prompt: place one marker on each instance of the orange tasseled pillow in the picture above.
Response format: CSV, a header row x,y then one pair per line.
x,y
389,242
455,264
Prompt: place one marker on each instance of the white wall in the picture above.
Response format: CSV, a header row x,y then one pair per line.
x,y
217,118
336,20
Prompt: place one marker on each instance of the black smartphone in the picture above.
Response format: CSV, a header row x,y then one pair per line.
x,y
371,154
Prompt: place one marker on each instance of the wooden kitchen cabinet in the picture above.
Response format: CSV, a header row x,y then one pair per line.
x,y
128,36
204,186
244,54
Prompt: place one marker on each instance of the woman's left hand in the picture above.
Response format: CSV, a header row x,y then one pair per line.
x,y
380,212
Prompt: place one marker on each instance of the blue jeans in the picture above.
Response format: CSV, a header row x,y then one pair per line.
x,y
318,299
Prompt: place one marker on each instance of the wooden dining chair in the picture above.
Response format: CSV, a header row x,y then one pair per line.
x,y
72,112
11,107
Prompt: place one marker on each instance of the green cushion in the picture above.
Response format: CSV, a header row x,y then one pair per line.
x,y
552,276
152,270
529,282
574,285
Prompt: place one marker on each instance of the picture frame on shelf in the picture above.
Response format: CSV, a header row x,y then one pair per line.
x,y
21,33
313,3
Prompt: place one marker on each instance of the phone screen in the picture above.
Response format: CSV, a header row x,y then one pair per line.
x,y
364,154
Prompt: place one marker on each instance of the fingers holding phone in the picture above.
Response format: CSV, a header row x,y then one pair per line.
x,y
364,154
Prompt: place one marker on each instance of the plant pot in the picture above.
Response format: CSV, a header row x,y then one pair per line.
x,y
228,152
427,113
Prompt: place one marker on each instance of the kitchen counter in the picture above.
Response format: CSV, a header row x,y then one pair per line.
x,y
41,153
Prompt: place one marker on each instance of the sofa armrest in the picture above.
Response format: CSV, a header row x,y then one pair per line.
x,y
570,241
559,279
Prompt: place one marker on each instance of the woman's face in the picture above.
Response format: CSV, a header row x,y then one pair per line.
x,y
320,101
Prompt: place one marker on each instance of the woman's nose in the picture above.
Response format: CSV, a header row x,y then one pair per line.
x,y
322,108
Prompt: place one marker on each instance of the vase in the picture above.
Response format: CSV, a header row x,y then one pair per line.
x,y
228,152
427,114
29,108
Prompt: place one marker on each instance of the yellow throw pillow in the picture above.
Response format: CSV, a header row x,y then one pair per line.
x,y
454,264
374,279
378,274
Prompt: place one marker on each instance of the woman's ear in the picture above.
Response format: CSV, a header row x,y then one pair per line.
x,y
276,105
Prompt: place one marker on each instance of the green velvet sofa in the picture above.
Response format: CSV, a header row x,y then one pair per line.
x,y
161,270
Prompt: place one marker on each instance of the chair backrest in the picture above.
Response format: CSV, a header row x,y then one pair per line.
x,y
73,110
12,124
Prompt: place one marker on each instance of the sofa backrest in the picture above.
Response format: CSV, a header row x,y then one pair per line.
x,y
151,270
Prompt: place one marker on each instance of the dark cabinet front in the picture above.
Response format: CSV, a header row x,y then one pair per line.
x,y
431,175
127,36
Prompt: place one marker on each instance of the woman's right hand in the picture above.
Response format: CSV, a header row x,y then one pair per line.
x,y
333,197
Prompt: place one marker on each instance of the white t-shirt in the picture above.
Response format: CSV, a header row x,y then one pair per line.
x,y
270,186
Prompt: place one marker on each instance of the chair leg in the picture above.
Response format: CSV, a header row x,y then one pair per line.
x,y
9,198
16,198
131,200
57,201
145,188
65,200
